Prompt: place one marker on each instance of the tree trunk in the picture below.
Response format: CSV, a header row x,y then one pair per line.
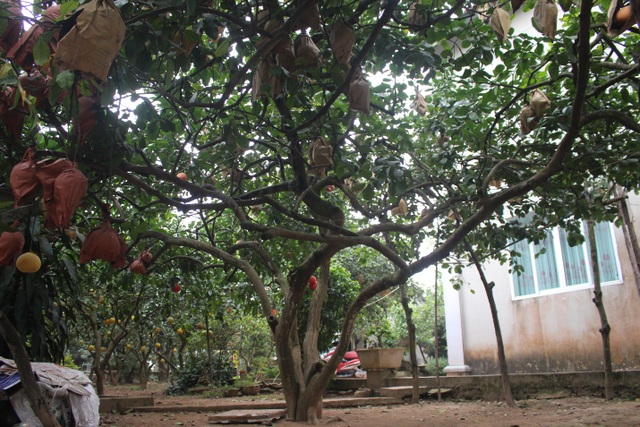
x,y
98,368
415,395
37,400
502,358
143,376
630,236
100,376
311,355
209,355
436,347
605,328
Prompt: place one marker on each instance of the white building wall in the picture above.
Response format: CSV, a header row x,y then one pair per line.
x,y
552,333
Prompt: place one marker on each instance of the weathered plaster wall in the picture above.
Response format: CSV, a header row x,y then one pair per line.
x,y
553,333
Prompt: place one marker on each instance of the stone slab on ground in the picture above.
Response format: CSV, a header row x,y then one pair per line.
x,y
340,402
247,416
404,391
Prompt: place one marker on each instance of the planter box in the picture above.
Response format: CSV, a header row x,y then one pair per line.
x,y
250,390
380,358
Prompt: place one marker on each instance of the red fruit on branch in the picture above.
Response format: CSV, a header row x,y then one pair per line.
x,y
176,288
313,283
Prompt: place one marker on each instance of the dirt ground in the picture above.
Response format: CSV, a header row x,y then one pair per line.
x,y
565,412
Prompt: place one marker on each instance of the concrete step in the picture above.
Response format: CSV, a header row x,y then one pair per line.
x,y
405,391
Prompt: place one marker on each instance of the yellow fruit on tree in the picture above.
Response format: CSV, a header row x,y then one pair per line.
x,y
28,262
200,325
180,331
143,349
158,345
92,348
128,346
170,320
158,330
103,349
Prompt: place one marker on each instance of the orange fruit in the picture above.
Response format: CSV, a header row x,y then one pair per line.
x,y
28,262
622,15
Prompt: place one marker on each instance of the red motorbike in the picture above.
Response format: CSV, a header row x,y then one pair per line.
x,y
348,367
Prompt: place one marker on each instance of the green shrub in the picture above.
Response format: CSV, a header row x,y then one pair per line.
x,y
429,367
198,374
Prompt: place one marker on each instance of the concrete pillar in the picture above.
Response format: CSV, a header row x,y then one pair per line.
x,y
455,344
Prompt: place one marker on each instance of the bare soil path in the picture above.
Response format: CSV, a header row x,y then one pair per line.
x,y
564,412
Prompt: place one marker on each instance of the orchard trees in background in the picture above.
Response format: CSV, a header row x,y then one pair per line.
x,y
306,129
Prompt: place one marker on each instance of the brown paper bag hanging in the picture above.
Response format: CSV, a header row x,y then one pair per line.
x,y
307,50
342,39
11,244
539,102
401,209
501,23
21,53
69,189
310,18
12,118
93,42
359,96
287,60
528,120
320,156
106,244
265,83
415,17
621,17
86,119
13,28
138,267
420,104
47,171
545,15
23,179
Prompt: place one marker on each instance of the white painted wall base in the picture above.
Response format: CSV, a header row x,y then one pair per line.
x,y
457,371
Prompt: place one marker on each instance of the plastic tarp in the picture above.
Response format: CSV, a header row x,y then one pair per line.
x,y
73,400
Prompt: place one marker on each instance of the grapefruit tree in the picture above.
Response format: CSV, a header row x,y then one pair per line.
x,y
408,112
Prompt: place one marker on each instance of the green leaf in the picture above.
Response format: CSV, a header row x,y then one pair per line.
x,y
223,49
192,5
65,79
41,51
68,7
